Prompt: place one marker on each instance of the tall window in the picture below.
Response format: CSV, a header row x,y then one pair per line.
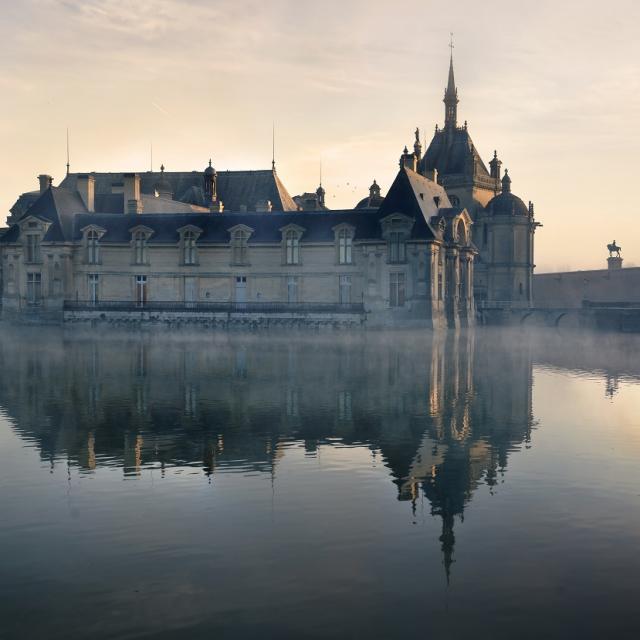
x,y
485,238
93,247
240,250
189,247
292,246
397,247
33,247
396,289
93,280
345,289
139,247
34,288
141,290
292,289
345,246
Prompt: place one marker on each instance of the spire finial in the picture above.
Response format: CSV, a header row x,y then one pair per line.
x,y
210,162
451,45
68,151
273,146
162,168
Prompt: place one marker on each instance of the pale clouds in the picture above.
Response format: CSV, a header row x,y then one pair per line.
x,y
553,86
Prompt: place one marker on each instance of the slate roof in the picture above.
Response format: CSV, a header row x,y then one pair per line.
x,y
235,188
411,194
507,204
318,226
453,152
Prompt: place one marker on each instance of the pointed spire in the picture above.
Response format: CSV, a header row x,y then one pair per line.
x,y
451,96
68,165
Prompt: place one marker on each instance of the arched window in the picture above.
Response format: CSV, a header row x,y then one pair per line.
x,y
461,232
292,247
189,247
139,247
240,247
93,247
345,247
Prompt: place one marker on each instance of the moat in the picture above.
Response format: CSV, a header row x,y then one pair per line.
x,y
161,484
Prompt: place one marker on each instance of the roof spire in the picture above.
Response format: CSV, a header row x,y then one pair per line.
x,y
451,95
273,146
67,150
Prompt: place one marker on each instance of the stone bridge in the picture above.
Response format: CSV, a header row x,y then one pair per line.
x,y
621,317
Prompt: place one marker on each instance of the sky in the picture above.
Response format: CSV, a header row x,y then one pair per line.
x,y
553,86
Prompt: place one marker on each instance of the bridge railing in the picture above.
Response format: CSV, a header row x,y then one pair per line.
x,y
215,307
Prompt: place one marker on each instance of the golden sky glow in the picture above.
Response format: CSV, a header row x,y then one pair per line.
x,y
554,87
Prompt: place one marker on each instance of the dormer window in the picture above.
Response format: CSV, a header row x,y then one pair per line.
x,y
344,243
396,230
33,248
292,248
240,235
139,247
139,244
188,244
397,247
189,248
291,235
93,247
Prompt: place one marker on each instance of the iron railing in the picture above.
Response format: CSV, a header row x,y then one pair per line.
x,y
214,307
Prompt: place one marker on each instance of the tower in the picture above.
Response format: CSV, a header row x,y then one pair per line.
x,y
210,184
507,227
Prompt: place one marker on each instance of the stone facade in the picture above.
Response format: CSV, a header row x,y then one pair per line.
x,y
78,253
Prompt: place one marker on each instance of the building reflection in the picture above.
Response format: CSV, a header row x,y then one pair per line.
x,y
442,411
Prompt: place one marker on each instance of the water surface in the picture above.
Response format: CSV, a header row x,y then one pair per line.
x,y
378,485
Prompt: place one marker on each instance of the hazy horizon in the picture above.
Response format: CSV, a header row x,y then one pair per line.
x,y
554,88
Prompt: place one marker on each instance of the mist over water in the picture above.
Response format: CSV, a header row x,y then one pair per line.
x,y
366,485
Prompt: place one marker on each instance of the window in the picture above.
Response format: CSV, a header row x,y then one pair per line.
x,y
141,290
440,279
520,288
33,248
139,247
345,289
34,288
292,289
396,289
485,234
397,247
345,247
93,280
189,248
93,247
292,247
239,248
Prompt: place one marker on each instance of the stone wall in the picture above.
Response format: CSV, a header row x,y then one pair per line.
x,y
569,289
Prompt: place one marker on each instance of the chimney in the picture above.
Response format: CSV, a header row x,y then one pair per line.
x,y
86,186
264,206
132,200
45,182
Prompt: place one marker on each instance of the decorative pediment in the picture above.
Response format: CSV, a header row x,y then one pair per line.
x,y
241,227
292,227
396,222
93,227
34,222
141,227
342,227
190,227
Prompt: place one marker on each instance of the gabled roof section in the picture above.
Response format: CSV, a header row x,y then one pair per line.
x,y
415,196
58,206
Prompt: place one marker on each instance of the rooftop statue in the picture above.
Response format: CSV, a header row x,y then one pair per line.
x,y
614,248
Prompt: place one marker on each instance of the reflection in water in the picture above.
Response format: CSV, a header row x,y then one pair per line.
x,y
443,412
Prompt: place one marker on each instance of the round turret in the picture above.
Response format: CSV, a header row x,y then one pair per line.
x,y
506,203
